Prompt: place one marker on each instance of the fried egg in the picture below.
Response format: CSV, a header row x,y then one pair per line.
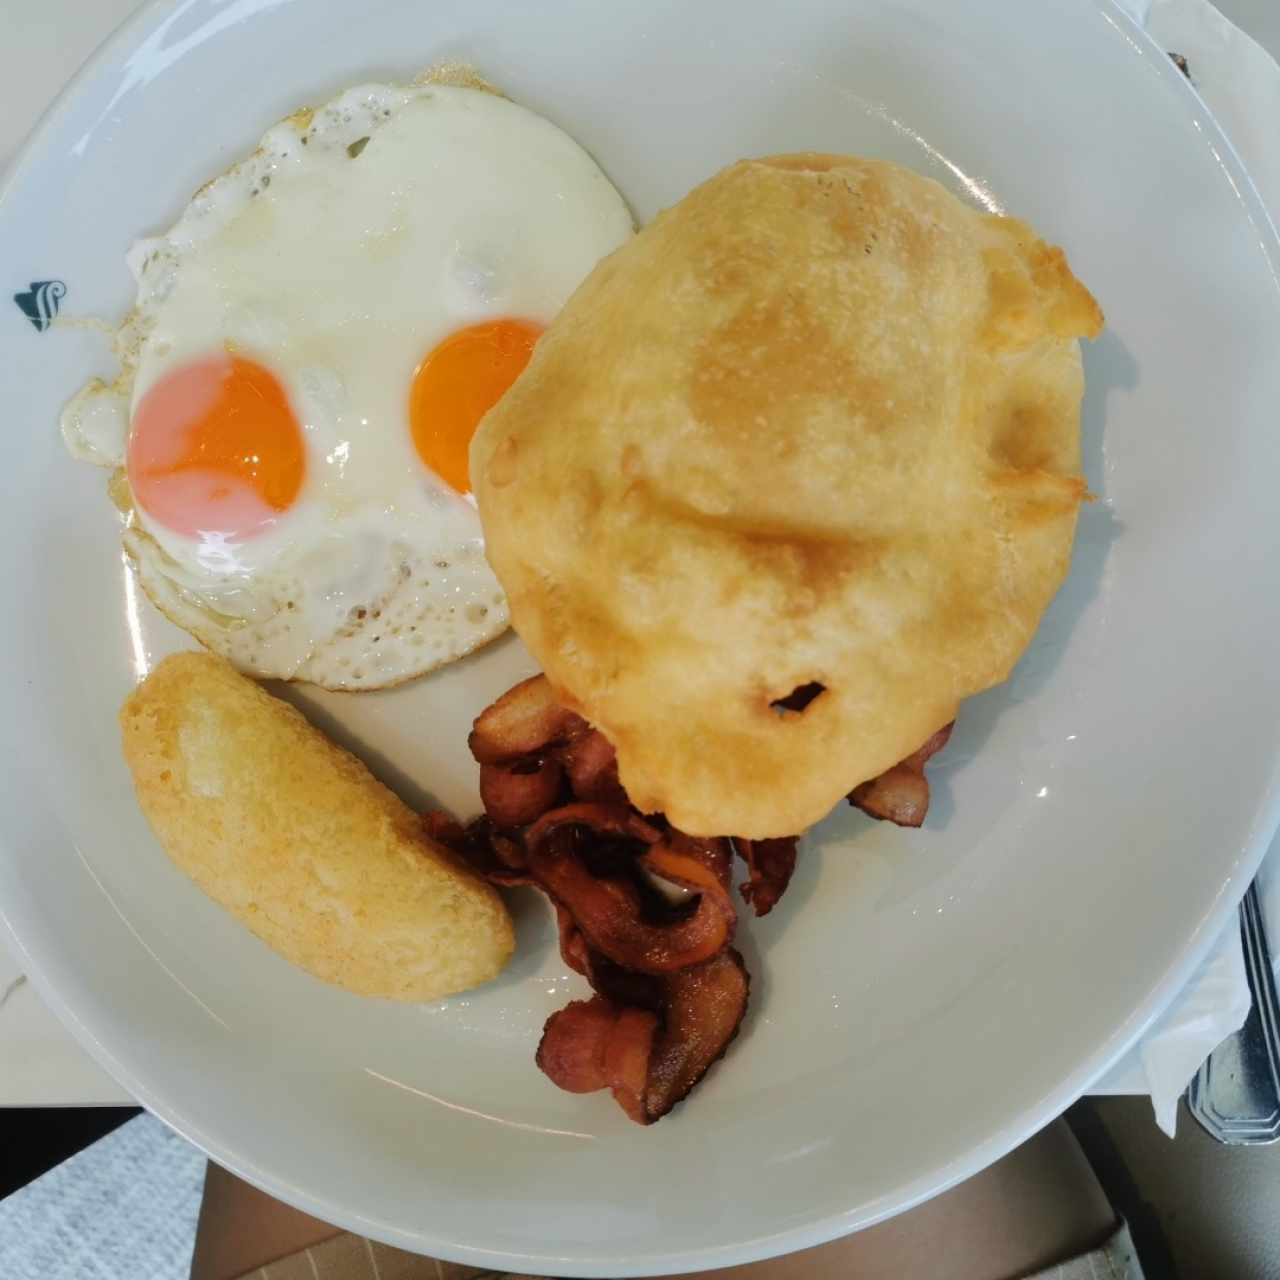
x,y
313,344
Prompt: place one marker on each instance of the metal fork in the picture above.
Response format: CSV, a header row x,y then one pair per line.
x,y
1236,1094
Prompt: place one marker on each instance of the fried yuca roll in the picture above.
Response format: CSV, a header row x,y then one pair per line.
x,y
298,840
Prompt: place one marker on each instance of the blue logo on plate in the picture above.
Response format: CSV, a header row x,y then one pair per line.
x,y
41,301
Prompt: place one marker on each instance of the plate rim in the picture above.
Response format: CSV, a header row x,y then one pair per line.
x,y
1017,1127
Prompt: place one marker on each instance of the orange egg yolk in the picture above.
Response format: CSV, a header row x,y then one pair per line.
x,y
457,384
215,449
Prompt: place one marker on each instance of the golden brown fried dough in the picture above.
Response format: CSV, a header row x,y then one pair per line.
x,y
817,425
298,840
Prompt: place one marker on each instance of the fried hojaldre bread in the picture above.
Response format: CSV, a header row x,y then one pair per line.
x,y
794,471
298,840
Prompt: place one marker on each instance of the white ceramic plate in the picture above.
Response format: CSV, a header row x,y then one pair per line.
x,y
922,1001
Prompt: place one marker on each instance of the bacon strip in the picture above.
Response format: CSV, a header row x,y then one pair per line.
x,y
516,794
486,851
690,871
573,946
610,909
573,1044
901,794
669,990
444,829
628,1056
592,766
623,986
650,1061
593,1044
608,819
770,864
703,1009
523,721
714,853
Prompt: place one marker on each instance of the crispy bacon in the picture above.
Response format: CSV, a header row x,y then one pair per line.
x,y
594,1045
627,1059
508,851
624,986
770,864
669,990
714,853
523,721
521,792
693,870
649,1060
609,905
901,794
603,819
573,946
703,1009
573,1044
526,742
444,829
592,766
486,850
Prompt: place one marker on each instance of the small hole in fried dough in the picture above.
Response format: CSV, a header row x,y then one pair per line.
x,y
799,697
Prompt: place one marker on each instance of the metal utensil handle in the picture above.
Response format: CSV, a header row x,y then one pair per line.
x,y
1236,1094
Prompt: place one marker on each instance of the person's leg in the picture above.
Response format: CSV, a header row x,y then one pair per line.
x,y
1038,1206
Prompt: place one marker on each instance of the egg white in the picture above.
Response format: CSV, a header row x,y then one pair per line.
x,y
354,239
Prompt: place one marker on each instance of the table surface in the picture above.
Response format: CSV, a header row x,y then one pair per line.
x,y
40,1064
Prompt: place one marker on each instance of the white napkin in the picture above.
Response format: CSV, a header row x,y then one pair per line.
x,y
1240,83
